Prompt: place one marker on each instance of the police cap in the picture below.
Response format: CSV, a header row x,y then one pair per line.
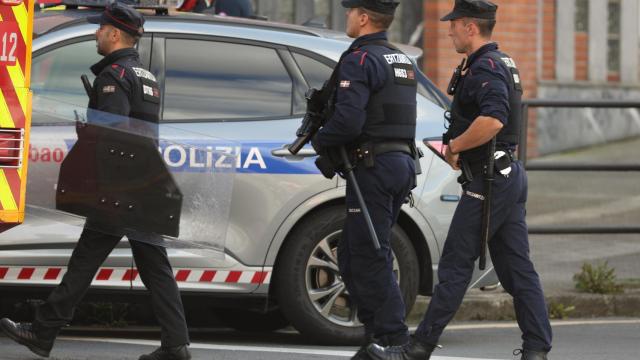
x,y
479,9
121,16
387,7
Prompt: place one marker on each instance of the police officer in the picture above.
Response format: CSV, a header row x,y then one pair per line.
x,y
374,118
486,104
122,87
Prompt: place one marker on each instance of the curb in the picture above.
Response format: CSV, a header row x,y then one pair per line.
x,y
498,306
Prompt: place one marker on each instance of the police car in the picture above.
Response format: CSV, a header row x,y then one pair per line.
x,y
242,80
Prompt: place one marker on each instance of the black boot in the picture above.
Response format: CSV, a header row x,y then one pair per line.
x,y
361,354
414,350
169,353
23,334
530,354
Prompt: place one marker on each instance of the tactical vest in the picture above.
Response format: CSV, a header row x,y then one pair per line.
x,y
391,111
510,133
145,99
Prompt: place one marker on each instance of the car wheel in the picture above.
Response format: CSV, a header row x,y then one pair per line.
x,y
252,321
309,289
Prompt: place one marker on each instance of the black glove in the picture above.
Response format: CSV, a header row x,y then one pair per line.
x,y
320,150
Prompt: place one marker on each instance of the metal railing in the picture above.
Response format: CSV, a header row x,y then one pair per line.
x,y
575,166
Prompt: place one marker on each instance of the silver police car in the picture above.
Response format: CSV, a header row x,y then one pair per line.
x,y
242,80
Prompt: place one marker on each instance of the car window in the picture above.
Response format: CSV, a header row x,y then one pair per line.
x,y
315,72
218,81
55,75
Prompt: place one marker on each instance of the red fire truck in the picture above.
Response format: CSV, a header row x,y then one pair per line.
x,y
16,28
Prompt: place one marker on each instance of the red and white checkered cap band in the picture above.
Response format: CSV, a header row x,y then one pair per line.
x,y
54,275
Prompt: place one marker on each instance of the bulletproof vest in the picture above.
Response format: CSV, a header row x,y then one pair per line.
x,y
463,117
391,111
145,97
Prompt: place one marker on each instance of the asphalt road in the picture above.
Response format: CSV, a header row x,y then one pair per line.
x,y
607,339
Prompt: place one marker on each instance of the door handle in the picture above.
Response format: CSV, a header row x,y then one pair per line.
x,y
284,152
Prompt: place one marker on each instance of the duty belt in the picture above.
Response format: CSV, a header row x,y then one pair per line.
x,y
476,169
368,151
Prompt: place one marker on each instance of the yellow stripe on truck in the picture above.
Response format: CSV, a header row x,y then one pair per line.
x,y
6,196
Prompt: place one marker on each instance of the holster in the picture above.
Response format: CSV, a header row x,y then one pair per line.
x,y
367,151
467,174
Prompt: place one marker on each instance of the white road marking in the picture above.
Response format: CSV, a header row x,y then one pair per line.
x,y
554,323
344,353
280,350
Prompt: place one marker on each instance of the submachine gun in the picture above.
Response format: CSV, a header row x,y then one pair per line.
x,y
316,116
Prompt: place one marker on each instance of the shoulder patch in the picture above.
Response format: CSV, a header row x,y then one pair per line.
x,y
509,62
142,73
107,89
404,74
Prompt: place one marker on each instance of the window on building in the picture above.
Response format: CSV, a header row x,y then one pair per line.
x,y
582,16
613,48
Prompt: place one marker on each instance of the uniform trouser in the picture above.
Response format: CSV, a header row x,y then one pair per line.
x,y
367,273
509,250
90,252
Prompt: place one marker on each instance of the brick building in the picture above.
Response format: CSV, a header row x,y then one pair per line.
x,y
565,49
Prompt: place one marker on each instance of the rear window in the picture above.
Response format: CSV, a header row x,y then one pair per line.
x,y
55,75
315,72
210,80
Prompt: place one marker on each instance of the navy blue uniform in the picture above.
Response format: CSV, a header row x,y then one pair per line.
x,y
122,87
485,90
239,8
365,73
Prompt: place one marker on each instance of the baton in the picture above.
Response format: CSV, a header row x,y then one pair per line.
x,y
486,206
87,85
348,170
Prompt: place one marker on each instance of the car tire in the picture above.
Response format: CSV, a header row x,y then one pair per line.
x,y
298,278
252,321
